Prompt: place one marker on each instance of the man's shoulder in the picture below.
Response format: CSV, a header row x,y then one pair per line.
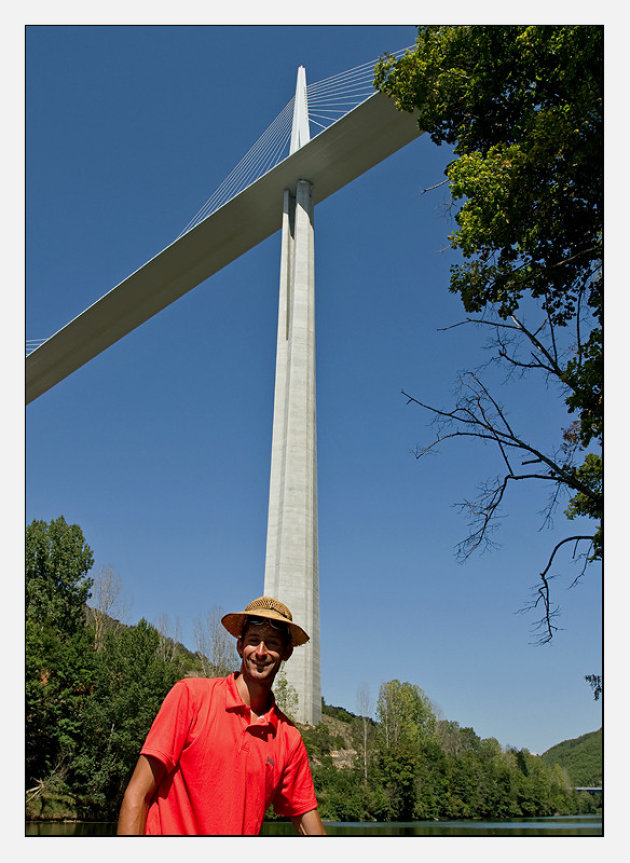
x,y
200,685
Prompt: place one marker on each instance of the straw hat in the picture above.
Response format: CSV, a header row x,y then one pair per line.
x,y
272,609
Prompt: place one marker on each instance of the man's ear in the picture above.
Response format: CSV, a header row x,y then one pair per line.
x,y
288,650
239,647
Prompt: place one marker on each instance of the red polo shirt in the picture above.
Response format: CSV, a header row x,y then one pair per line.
x,y
223,771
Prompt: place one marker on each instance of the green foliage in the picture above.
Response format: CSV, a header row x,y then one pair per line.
x,y
59,663
591,475
131,683
286,695
404,712
57,587
523,108
406,733
433,770
337,712
318,742
582,758
339,796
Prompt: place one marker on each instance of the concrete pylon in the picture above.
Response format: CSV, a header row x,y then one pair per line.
x,y
291,565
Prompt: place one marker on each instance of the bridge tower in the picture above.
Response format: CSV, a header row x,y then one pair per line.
x,y
291,563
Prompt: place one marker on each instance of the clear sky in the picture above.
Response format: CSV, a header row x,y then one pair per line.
x,y
159,448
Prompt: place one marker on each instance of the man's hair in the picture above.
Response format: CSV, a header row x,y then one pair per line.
x,y
282,628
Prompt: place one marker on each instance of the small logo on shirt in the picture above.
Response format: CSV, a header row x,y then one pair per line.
x,y
270,761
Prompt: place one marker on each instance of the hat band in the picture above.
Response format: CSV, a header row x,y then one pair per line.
x,y
280,625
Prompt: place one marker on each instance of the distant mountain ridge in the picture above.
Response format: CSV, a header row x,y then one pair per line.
x,y
581,757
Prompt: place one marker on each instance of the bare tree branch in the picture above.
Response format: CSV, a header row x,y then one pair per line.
x,y
484,509
552,366
543,592
485,429
586,559
476,414
430,188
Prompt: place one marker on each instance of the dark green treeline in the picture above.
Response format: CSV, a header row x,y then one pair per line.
x,y
92,691
409,766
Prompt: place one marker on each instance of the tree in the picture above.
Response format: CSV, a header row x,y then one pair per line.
x,y
132,679
168,643
523,108
407,726
364,706
105,593
214,644
286,696
404,711
59,659
57,585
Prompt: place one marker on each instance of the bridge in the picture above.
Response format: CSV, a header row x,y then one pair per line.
x,y
266,192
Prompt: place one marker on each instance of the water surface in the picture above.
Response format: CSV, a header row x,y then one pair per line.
x,y
572,825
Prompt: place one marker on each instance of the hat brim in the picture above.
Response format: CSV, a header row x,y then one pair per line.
x,y
235,622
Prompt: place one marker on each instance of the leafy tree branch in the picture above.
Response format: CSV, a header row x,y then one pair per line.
x,y
522,107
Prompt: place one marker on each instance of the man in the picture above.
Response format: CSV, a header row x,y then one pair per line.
x,y
219,751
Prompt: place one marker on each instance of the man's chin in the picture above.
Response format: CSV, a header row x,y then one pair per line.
x,y
261,671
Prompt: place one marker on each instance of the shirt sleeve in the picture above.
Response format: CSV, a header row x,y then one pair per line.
x,y
171,726
296,794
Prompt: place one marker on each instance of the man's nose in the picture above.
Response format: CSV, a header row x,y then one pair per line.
x,y
261,649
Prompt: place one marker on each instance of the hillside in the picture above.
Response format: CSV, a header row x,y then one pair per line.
x,y
582,758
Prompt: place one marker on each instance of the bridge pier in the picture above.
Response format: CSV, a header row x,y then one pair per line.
x,y
291,564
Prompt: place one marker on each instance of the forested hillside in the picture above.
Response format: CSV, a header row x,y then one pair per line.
x,y
582,758
93,687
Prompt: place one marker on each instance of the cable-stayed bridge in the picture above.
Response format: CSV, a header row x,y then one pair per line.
x,y
334,131
351,127
328,101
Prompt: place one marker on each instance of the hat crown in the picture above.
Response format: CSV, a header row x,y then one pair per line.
x,y
268,603
269,607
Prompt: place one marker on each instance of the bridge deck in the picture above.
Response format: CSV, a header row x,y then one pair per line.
x,y
339,154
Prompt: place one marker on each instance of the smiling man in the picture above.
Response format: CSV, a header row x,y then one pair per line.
x,y
220,752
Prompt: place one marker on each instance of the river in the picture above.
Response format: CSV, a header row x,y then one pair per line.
x,y
574,825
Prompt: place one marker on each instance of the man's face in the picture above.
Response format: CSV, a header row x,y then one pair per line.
x,y
262,649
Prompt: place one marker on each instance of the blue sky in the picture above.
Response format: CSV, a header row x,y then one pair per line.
x,y
159,448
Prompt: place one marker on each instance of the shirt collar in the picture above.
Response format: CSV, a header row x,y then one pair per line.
x,y
233,701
